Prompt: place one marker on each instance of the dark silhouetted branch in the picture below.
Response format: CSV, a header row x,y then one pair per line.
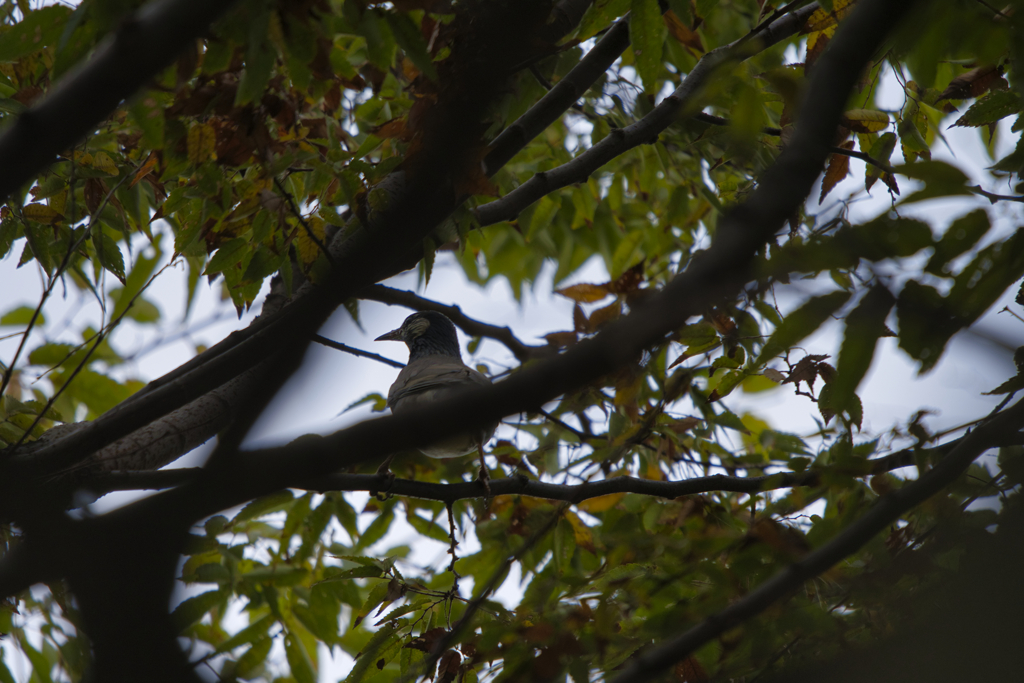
x,y
475,328
144,43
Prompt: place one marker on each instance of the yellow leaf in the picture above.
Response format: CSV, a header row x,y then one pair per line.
x,y
144,171
580,531
309,250
601,503
823,20
101,161
58,202
865,120
584,293
41,213
683,33
202,140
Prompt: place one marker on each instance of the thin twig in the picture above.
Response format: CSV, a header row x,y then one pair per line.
x,y
521,351
356,352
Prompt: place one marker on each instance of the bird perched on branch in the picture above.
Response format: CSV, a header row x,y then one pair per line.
x,y
434,372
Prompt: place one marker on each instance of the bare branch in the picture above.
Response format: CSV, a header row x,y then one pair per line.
x,y
356,352
475,328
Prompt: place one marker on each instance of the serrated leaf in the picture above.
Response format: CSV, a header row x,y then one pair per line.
x,y
996,106
108,253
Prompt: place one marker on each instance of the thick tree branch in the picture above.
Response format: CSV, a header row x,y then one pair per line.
x,y
679,104
523,486
720,271
416,208
145,43
388,295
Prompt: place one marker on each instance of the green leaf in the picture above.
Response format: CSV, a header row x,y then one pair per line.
x,y
193,609
229,255
800,323
426,527
264,505
925,323
40,28
380,42
961,235
108,253
253,657
299,661
864,325
259,61
22,315
994,107
647,34
986,277
409,38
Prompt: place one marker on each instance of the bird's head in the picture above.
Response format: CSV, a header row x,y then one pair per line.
x,y
426,333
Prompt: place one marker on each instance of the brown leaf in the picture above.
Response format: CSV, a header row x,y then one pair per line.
x,y
603,316
721,321
145,169
816,44
805,371
95,190
395,128
585,293
41,213
629,281
690,671
448,667
838,168
579,319
560,339
683,33
425,641
973,83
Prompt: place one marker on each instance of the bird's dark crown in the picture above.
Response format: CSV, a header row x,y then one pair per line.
x,y
429,333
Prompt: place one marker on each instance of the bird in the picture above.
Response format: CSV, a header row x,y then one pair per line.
x,y
435,371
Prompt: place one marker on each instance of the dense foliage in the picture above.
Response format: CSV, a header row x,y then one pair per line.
x,y
284,138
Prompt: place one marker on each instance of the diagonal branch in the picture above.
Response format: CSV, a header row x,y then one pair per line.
x,y
679,104
145,43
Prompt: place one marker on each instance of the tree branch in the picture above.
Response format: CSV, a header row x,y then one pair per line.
x,y
146,42
559,98
644,131
475,328
882,514
356,352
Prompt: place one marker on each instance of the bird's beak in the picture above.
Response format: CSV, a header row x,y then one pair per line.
x,y
393,335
